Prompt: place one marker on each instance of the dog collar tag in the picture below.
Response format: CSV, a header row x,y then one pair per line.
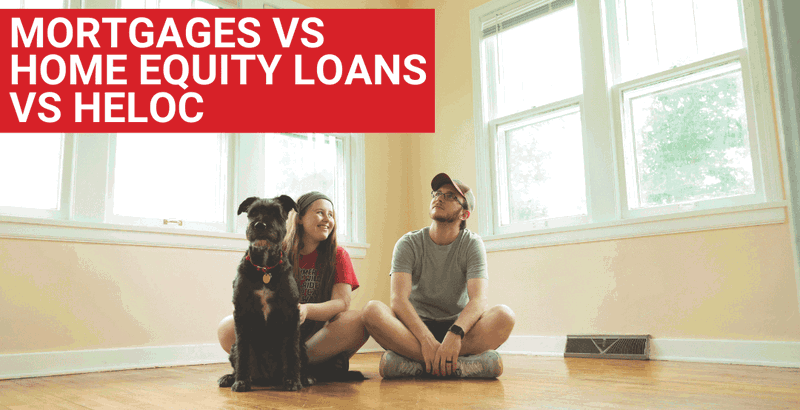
x,y
267,277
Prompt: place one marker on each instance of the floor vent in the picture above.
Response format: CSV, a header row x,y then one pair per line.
x,y
608,346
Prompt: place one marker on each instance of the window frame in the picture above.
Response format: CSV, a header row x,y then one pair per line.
x,y
761,195
171,222
222,4
64,187
87,188
500,192
251,174
605,172
65,4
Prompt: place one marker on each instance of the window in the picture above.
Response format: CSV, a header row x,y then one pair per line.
x,y
657,35
166,4
542,165
32,4
535,115
686,140
293,164
536,118
141,189
607,114
170,179
31,160
300,163
516,78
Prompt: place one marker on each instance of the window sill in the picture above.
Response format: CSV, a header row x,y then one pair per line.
x,y
356,250
741,216
88,232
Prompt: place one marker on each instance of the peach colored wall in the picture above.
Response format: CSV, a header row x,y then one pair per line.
x,y
723,284
73,296
58,296
387,216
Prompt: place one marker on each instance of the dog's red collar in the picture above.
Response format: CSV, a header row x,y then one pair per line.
x,y
267,275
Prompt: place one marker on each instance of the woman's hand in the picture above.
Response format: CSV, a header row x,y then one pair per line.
x,y
303,312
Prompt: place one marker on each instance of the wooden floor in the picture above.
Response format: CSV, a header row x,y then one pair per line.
x,y
528,382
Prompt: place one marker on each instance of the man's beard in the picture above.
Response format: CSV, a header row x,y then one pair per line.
x,y
454,217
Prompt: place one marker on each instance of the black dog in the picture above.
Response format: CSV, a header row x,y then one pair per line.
x,y
268,349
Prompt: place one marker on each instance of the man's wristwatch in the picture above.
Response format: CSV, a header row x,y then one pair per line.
x,y
457,330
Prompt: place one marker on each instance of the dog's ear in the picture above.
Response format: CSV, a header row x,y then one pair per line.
x,y
287,203
246,203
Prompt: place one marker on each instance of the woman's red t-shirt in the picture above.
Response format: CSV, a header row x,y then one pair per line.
x,y
311,281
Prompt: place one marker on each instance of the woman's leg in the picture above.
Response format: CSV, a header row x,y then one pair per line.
x,y
344,333
226,333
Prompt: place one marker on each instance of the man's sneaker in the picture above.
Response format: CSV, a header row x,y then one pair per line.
x,y
394,365
481,366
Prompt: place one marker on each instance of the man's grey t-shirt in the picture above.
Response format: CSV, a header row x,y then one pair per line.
x,y
439,273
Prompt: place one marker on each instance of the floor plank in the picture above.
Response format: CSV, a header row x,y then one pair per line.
x,y
527,382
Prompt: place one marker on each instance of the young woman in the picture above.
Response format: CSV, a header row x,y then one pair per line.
x,y
325,278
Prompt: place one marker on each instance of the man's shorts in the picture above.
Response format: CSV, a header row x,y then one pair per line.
x,y
439,328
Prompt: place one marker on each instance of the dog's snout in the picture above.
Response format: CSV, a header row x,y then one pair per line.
x,y
260,225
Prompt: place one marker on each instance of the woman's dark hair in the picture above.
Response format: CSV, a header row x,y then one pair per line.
x,y
325,265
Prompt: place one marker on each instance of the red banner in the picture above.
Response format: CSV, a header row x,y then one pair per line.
x,y
104,71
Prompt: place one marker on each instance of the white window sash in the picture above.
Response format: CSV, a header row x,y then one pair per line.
x,y
500,191
764,190
604,159
172,221
85,220
64,188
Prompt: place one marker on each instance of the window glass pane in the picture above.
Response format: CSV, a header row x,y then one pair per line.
x,y
657,35
689,139
544,165
535,63
10,4
175,4
30,170
299,163
164,4
198,4
180,176
39,4
132,4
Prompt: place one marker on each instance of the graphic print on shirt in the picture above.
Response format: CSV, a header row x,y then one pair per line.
x,y
309,283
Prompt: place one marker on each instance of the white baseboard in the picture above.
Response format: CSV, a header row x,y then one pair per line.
x,y
535,345
16,366
747,352
750,352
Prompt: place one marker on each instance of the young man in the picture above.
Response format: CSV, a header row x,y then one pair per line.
x,y
439,321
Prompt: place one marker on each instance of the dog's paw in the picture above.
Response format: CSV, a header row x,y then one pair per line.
x,y
226,380
241,386
309,381
292,385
